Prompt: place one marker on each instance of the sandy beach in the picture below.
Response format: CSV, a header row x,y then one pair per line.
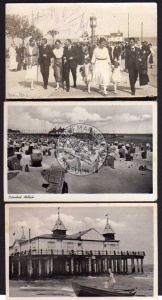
x,y
124,178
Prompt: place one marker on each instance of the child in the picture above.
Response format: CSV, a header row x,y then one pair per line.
x,y
116,76
86,72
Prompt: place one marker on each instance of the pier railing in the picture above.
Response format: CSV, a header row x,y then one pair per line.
x,y
80,253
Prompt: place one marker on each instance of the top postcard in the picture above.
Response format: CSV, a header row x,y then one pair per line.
x,y
81,50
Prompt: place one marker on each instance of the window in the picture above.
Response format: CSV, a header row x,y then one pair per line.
x,y
70,246
51,245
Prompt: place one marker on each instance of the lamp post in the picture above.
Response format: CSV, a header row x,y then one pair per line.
x,y
93,24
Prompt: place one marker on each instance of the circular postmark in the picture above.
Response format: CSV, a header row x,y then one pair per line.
x,y
81,149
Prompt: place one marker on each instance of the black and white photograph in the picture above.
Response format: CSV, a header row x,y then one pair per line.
x,y
93,148
81,50
97,250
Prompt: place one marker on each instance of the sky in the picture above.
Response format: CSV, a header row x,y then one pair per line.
x,y
133,225
71,19
106,118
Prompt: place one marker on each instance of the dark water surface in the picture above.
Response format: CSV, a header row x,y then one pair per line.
x,y
62,286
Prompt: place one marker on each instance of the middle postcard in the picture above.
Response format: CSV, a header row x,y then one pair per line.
x,y
103,148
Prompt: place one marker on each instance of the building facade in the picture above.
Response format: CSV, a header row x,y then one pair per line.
x,y
59,241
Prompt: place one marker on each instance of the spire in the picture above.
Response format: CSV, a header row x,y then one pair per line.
x,y
108,233
23,237
59,228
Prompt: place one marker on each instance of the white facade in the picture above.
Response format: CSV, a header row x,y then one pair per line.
x,y
90,241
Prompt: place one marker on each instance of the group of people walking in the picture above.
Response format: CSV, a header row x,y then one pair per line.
x,y
101,64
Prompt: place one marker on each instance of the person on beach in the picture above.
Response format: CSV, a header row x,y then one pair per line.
x,y
116,75
111,279
101,66
31,55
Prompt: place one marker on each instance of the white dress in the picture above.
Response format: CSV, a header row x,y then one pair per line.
x,y
101,71
31,72
13,62
116,75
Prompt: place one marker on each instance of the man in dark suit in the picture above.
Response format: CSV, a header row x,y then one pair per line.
x,y
117,51
45,55
70,58
132,62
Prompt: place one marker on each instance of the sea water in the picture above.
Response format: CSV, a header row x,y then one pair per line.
x,y
62,286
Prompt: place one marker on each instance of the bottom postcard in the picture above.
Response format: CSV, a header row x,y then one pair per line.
x,y
81,250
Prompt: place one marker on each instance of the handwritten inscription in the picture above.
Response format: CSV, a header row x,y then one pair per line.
x,y
65,21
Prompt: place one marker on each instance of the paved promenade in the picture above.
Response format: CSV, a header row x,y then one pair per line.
x,y
18,88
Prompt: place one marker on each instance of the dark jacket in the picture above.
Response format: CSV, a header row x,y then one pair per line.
x,y
45,50
70,53
117,52
132,58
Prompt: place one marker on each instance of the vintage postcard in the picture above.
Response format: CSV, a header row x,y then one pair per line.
x,y
105,149
81,250
81,50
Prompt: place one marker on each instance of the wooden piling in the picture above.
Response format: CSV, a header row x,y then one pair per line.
x,y
40,267
30,267
142,265
72,266
138,268
19,268
49,265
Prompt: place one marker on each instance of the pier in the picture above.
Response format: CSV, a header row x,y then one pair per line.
x,y
50,263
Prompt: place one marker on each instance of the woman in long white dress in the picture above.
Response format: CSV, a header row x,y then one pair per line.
x,y
101,66
31,58
13,54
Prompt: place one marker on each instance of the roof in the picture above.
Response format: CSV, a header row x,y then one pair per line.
x,y
19,241
77,235
59,225
74,236
108,229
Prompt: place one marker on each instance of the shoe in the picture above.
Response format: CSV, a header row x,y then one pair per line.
x,y
133,93
32,87
115,92
45,87
89,92
68,90
105,93
74,86
57,88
